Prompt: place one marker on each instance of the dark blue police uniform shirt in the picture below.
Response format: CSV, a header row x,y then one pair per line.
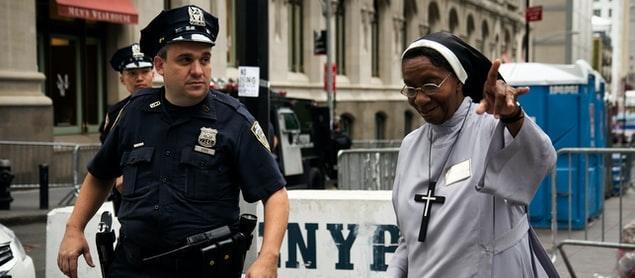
x,y
171,190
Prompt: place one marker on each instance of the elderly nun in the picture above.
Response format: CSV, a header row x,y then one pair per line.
x,y
464,179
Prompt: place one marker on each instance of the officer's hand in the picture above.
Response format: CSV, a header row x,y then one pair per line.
x,y
119,184
263,268
73,245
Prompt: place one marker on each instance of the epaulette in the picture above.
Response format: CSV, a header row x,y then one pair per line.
x,y
145,92
234,104
137,95
226,99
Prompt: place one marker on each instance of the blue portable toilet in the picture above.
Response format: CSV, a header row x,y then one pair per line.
x,y
562,102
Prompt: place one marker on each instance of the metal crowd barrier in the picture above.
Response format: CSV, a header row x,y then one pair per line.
x,y
366,169
375,144
607,155
67,163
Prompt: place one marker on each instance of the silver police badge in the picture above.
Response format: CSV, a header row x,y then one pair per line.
x,y
196,16
207,138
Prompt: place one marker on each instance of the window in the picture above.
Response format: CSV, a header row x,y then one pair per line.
x,y
296,47
610,12
407,122
470,27
340,37
346,124
484,36
433,17
454,21
380,126
597,12
374,41
230,32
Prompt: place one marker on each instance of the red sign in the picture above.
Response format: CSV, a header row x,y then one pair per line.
x,y
533,13
115,11
333,74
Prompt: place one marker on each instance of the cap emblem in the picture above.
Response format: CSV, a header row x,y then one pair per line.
x,y
136,52
196,16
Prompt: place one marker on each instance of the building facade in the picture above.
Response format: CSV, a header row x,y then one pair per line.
x,y
55,78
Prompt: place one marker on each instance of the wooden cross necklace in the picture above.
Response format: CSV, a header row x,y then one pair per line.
x,y
429,198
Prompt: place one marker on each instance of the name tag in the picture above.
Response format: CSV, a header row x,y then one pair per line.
x,y
458,172
204,150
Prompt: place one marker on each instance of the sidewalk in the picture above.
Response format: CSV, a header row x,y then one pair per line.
x,y
587,261
25,206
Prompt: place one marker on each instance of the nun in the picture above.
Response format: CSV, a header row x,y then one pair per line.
x,y
464,179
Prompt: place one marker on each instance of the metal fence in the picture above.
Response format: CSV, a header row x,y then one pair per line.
x,y
367,169
374,144
66,161
586,184
583,178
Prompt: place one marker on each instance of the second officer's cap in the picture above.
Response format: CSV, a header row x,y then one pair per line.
x,y
130,57
184,24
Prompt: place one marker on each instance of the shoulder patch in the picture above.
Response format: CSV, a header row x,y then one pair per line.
x,y
260,135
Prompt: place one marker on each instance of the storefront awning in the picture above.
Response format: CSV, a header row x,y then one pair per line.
x,y
116,11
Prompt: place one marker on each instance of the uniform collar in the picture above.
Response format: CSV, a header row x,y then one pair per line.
x,y
206,109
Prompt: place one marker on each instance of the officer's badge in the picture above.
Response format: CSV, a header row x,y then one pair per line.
x,y
136,52
207,138
257,130
196,16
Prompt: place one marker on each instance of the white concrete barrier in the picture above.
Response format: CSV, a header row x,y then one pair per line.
x,y
338,233
55,227
331,233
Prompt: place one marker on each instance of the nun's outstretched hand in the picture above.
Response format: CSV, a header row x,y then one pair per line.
x,y
499,98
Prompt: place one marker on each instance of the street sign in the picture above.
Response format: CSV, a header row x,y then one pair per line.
x,y
533,13
319,42
248,81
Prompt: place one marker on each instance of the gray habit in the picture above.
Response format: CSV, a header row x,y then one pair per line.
x,y
481,228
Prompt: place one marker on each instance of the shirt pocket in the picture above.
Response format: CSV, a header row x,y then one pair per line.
x,y
137,166
206,175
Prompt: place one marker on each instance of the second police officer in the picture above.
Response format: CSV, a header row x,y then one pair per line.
x,y
135,73
185,154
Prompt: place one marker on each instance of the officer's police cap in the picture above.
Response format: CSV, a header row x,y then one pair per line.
x,y
185,24
130,57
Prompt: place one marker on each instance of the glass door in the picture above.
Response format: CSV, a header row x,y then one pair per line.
x,y
63,83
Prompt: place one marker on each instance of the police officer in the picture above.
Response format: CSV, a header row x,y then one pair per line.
x,y
135,73
185,154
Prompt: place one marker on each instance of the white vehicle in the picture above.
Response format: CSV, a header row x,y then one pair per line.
x,y
13,259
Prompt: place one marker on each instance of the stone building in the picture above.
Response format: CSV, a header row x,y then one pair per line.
x,y
55,78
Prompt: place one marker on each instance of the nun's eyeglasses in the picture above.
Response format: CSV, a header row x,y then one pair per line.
x,y
427,89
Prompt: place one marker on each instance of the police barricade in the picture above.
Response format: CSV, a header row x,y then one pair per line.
x,y
66,161
372,144
573,201
366,169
